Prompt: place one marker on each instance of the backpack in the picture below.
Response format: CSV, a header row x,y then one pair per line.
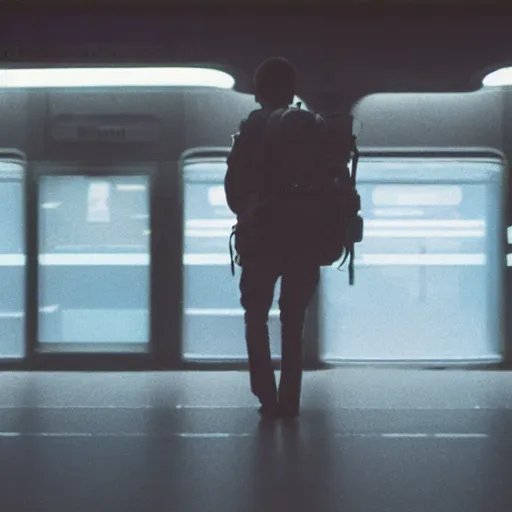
x,y
299,188
342,225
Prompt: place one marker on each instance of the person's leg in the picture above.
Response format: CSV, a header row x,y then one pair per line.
x,y
298,285
257,286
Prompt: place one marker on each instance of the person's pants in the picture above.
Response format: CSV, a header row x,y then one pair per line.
x,y
299,280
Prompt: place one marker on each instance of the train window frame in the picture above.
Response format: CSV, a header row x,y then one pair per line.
x,y
18,159
401,158
112,169
214,178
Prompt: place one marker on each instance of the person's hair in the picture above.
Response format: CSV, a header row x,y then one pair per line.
x,y
275,82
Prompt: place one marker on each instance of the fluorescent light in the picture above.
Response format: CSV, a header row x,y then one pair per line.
x,y
115,77
91,259
50,205
369,233
398,212
375,223
206,259
222,312
400,195
426,223
424,233
207,233
49,309
11,314
12,260
423,259
369,260
130,188
498,78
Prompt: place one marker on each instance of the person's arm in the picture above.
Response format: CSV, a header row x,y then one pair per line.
x,y
240,182
233,182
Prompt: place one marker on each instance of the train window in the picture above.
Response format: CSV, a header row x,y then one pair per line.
x,y
427,273
12,260
94,240
213,321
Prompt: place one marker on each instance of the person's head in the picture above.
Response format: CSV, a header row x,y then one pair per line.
x,y
274,83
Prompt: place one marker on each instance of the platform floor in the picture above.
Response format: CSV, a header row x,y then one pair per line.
x,y
367,440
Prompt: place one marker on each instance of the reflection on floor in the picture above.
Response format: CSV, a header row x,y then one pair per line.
x,y
368,440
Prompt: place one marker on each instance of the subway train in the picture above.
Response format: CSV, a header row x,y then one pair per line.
x,y
114,230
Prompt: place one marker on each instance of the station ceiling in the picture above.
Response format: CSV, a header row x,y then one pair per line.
x,y
358,47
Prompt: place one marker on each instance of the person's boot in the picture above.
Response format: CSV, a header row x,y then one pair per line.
x,y
270,411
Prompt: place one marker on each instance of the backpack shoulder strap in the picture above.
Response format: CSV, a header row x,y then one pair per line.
x,y
350,249
355,160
